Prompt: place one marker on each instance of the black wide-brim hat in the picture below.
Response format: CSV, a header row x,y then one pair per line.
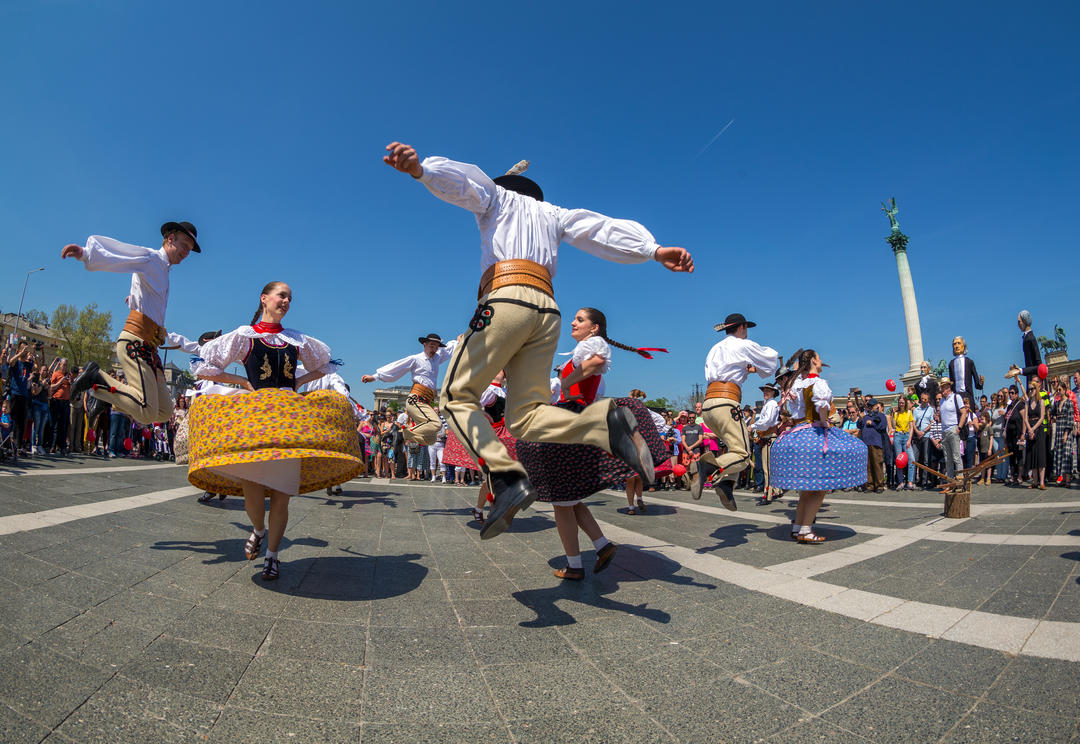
x,y
184,227
521,185
431,337
735,319
769,386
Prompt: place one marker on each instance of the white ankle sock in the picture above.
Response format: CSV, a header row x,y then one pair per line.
x,y
260,533
600,542
574,561
271,554
804,529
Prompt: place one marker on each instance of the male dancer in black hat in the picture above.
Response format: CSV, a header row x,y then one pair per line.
x,y
144,396
516,324
425,374
729,362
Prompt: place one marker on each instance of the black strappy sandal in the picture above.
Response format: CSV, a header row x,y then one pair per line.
x,y
270,568
207,496
252,546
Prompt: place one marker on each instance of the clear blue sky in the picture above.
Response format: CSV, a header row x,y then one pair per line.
x,y
263,123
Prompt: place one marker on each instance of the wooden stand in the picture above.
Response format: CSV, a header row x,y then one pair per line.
x,y
958,504
957,490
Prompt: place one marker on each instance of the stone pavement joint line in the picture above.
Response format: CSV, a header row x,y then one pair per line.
x,y
50,517
86,471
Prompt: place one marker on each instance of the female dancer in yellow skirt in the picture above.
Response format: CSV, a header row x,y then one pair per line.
x,y
270,441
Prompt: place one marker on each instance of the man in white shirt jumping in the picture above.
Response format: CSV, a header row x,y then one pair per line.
x,y
144,396
516,324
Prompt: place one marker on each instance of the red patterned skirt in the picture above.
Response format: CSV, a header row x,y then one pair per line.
x,y
454,453
570,472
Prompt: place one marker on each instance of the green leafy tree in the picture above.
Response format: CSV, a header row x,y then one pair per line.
x,y
658,403
36,317
87,334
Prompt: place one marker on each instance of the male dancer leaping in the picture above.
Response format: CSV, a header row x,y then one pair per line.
x,y
425,374
144,396
729,362
516,324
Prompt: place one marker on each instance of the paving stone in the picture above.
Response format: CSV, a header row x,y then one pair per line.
x,y
301,639
1042,685
523,690
994,723
404,648
243,633
435,733
606,725
955,666
188,668
811,680
126,710
18,729
900,711
455,694
47,685
295,688
241,724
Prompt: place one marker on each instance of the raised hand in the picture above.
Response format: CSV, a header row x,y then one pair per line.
x,y
71,250
367,378
675,259
403,158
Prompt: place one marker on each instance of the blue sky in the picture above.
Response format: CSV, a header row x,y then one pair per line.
x,y
263,123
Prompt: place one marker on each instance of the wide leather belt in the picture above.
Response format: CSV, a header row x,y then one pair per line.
x,y
727,390
517,271
423,392
142,327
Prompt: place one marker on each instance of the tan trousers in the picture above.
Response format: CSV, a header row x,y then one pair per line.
x,y
766,445
515,329
144,396
426,423
723,417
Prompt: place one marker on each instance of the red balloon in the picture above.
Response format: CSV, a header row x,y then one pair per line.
x,y
1043,371
890,385
679,470
147,433
902,460
91,436
128,444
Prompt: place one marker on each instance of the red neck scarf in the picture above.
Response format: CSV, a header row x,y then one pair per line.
x,y
262,327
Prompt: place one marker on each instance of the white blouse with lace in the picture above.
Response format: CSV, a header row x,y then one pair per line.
x,y
233,347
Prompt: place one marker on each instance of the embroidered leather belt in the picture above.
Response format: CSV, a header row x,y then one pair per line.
x,y
517,271
423,392
142,327
728,390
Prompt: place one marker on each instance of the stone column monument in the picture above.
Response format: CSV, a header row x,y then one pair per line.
x,y
898,241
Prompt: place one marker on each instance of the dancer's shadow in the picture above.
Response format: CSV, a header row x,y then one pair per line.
x,y
731,535
352,577
228,504
229,550
650,510
360,500
629,566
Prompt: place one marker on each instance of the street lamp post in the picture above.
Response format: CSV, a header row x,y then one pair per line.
x,y
19,316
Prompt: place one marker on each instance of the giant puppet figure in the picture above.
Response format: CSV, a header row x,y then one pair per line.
x,y
965,379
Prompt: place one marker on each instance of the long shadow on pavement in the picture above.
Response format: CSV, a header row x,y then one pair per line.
x,y
636,566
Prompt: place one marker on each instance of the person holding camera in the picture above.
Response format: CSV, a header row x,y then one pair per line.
x,y
20,367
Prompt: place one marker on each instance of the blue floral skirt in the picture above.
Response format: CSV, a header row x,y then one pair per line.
x,y
811,458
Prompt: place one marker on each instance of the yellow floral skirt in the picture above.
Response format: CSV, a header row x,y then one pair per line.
x,y
276,438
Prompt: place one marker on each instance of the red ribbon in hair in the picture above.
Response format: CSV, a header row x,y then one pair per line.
x,y
644,351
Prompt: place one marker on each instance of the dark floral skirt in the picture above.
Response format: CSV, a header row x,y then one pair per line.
x,y
570,472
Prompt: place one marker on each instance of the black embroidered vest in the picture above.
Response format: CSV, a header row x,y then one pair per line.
x,y
271,366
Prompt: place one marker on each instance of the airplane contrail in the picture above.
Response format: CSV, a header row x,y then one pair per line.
x,y
716,137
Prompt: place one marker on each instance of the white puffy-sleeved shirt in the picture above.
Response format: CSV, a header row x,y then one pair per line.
x,y
216,355
490,394
658,420
727,360
822,396
587,349
424,370
513,225
332,381
149,269
181,342
769,416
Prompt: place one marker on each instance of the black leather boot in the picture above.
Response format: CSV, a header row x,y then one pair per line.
x,y
90,376
628,445
512,492
697,481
